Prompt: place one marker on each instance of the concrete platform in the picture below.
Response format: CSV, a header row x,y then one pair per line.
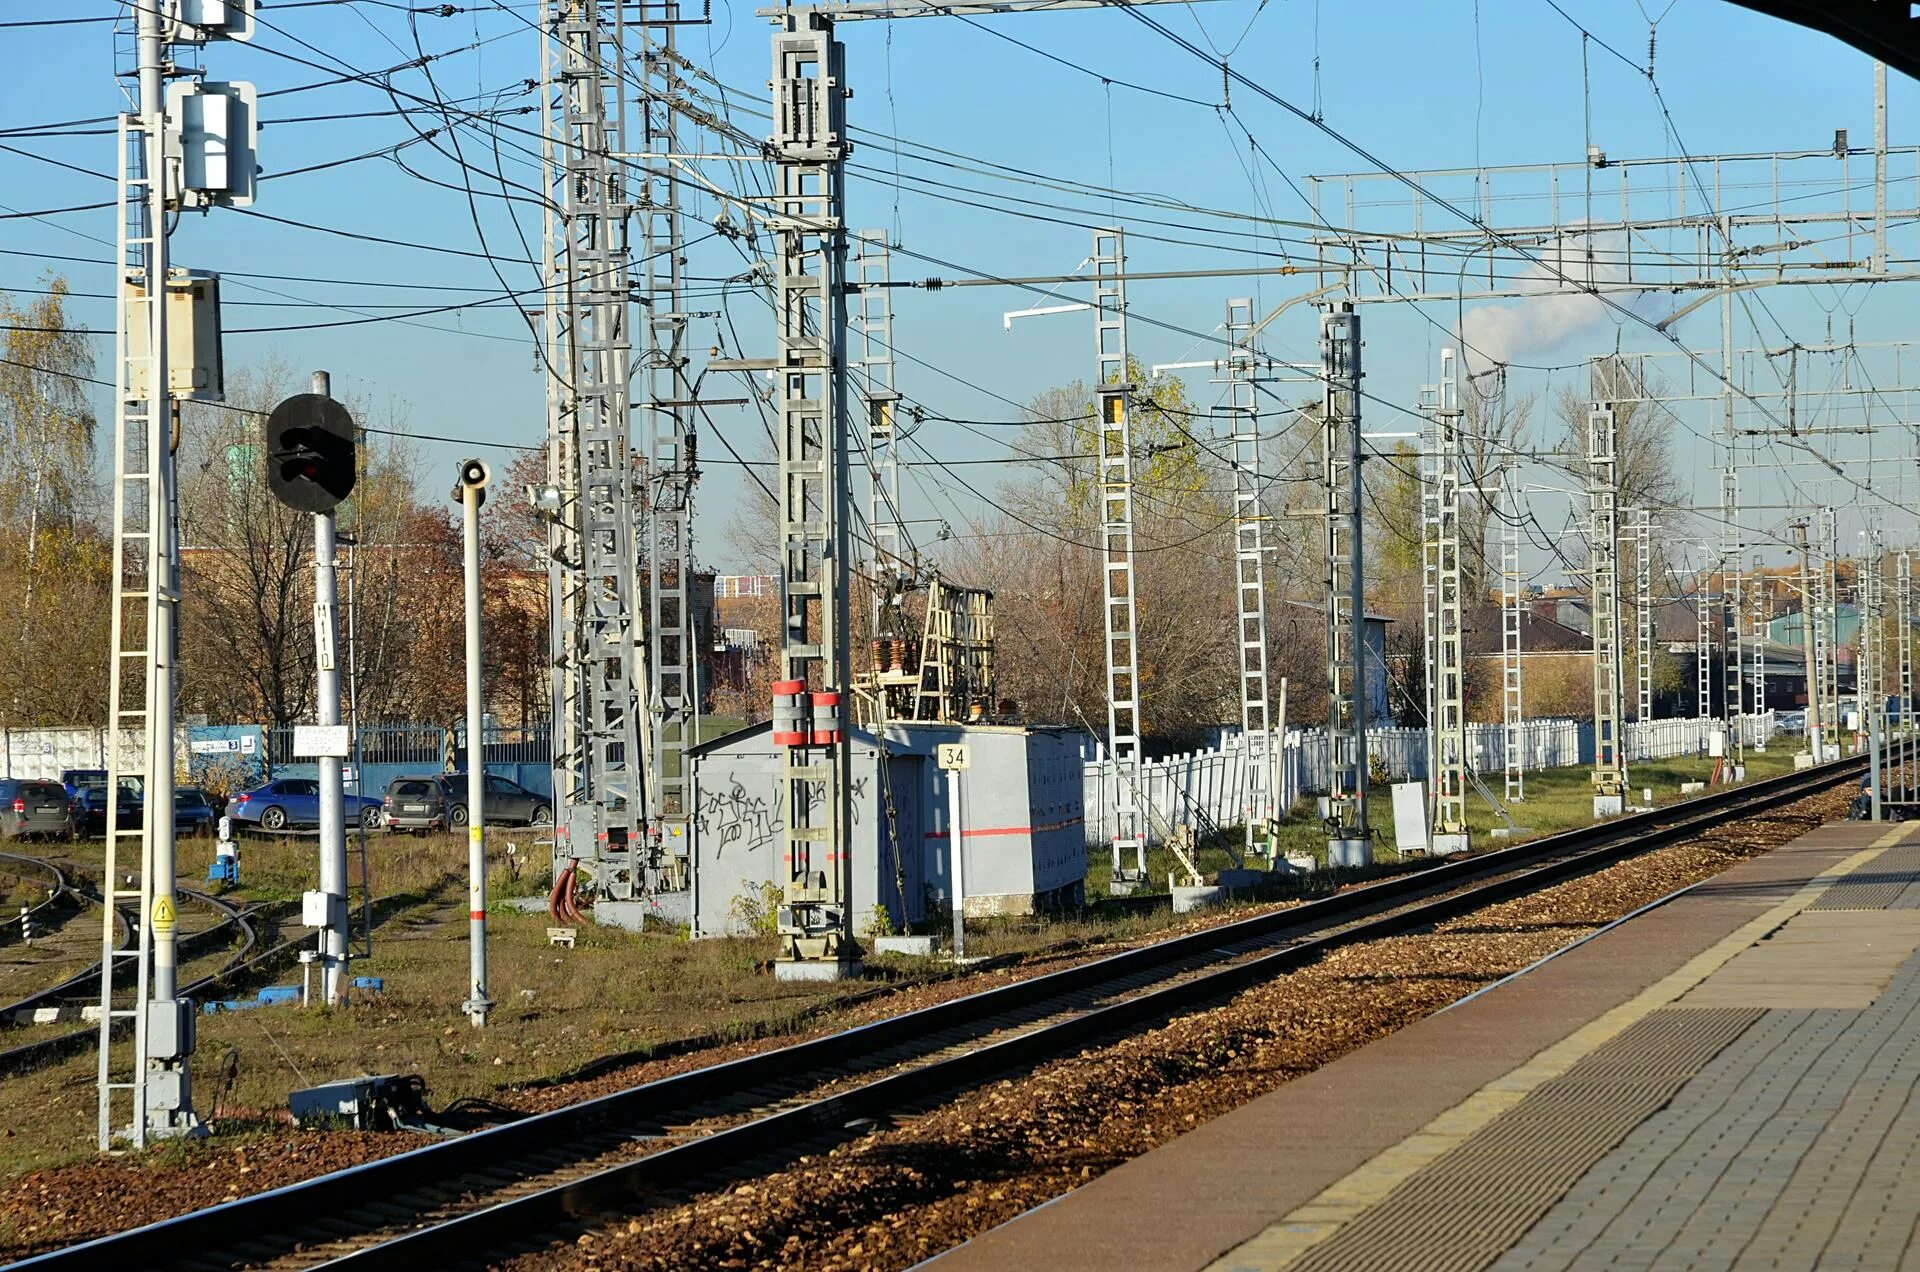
x,y
1729,1080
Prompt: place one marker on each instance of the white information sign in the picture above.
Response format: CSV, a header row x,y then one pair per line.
x,y
317,741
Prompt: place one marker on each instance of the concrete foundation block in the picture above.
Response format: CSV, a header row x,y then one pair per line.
x,y
1122,887
1301,863
1349,853
1609,805
1692,788
1450,845
632,916
912,946
1188,900
525,905
817,969
1803,761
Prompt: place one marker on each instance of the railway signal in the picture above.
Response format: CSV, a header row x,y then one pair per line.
x,y
312,457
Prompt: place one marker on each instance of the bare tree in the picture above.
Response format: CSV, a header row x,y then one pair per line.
x,y
1643,432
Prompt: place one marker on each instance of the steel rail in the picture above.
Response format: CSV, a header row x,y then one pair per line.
x,y
284,1217
31,1055
62,887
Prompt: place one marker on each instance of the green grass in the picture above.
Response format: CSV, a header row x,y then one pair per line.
x,y
615,992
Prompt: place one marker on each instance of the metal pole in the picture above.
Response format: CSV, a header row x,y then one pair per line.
x,y
956,822
1348,838
1879,167
477,1003
353,733
333,831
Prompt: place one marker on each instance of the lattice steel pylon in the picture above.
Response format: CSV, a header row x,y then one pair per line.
x,y
672,645
1869,674
1259,780
1603,544
1348,835
1903,638
1114,389
598,768
1829,628
1446,672
1640,526
1512,598
809,147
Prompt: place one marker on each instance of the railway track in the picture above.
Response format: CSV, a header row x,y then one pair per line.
x,y
83,987
468,1200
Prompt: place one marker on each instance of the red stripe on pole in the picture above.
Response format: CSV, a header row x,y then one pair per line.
x,y
481,915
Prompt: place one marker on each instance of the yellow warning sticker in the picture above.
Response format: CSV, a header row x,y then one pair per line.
x,y
164,919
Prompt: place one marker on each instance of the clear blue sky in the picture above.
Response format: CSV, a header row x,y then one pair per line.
x,y
1420,84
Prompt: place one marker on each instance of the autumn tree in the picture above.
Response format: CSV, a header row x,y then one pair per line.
x,y
1043,560
50,547
247,567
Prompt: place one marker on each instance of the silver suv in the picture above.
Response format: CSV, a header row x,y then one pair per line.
x,y
438,801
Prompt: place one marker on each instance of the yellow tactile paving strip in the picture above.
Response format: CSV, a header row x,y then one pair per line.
x,y
1283,1243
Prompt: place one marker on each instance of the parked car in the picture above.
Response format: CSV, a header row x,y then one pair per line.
x,y
295,801
30,808
417,804
88,807
193,812
77,780
438,801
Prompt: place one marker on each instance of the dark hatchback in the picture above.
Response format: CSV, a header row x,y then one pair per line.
x,y
34,810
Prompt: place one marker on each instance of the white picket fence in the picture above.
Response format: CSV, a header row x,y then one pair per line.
x,y
1206,786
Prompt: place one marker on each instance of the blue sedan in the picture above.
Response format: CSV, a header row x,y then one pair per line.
x,y
294,801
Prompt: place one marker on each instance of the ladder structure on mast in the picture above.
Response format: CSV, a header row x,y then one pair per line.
x,y
1703,646
1603,565
1115,450
1348,835
1903,637
1446,672
1512,600
672,645
1259,811
141,557
1640,528
871,326
599,769
1762,623
1730,597
672,454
